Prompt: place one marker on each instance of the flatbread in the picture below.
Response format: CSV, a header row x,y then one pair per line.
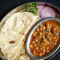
x,y
24,57
1,55
18,55
21,52
14,31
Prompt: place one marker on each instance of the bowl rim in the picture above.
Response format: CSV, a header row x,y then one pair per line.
x,y
29,39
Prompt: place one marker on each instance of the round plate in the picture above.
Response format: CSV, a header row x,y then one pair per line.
x,y
22,9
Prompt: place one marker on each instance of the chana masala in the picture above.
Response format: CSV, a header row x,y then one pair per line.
x,y
45,38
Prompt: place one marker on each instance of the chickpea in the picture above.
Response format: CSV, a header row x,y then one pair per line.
x,y
31,46
40,33
49,33
58,38
43,37
43,47
33,42
36,54
35,45
40,48
50,39
40,54
43,31
33,52
47,48
55,40
48,24
34,34
55,43
48,27
57,33
54,37
43,52
50,46
55,29
47,51
44,40
48,36
47,42
37,48
57,26
40,36
38,29
43,27
36,40
53,25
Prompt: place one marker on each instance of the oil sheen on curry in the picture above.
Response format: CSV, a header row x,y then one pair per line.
x,y
45,38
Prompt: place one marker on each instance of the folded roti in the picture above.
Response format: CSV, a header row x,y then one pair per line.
x,y
24,57
1,55
13,33
18,54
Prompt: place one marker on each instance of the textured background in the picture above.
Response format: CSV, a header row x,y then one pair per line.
x,y
7,5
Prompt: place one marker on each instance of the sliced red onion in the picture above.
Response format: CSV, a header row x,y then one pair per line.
x,y
47,12
41,6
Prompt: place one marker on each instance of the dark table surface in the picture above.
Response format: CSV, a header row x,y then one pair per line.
x,y
7,5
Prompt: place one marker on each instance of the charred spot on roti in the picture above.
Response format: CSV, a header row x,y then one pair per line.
x,y
5,55
3,32
7,29
23,22
22,33
3,23
0,49
1,52
12,42
21,54
3,44
10,53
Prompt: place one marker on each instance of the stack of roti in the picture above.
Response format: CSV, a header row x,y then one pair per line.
x,y
13,36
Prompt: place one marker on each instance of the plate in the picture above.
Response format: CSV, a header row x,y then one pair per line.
x,y
21,8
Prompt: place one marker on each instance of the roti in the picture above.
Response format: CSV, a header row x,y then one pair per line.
x,y
14,32
1,55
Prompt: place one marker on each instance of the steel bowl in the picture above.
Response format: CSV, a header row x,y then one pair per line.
x,y
29,39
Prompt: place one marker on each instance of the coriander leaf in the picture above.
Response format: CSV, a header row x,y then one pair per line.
x,y
32,7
